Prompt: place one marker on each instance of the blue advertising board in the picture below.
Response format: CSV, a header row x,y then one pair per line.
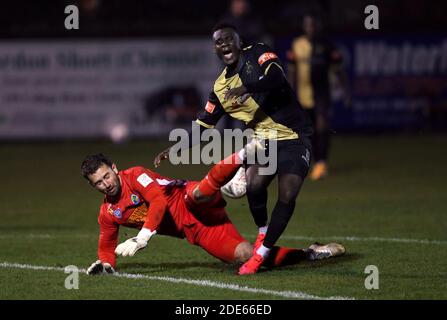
x,y
395,82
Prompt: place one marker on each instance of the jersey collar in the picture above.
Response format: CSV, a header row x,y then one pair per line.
x,y
240,64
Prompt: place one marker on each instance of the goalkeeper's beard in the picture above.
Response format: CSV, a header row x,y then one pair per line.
x,y
114,192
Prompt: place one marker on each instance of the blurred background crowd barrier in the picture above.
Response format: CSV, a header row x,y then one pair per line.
x,y
141,68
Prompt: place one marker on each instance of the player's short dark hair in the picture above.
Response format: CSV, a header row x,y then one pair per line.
x,y
92,163
224,25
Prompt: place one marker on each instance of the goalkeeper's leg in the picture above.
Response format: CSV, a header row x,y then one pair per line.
x,y
223,172
279,256
219,175
282,256
223,241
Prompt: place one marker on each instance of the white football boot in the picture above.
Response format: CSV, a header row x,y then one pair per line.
x,y
318,251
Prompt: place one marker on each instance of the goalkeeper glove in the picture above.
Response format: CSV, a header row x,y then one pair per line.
x,y
99,268
132,245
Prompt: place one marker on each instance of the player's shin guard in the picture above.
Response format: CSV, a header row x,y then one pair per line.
x,y
219,175
280,218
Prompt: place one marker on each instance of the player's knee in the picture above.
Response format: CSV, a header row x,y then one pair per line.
x,y
289,187
254,187
243,252
289,193
288,197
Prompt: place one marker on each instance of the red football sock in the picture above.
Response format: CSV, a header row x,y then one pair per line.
x,y
282,256
219,175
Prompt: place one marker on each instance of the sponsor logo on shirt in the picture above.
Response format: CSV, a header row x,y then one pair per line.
x,y
144,180
266,57
138,215
210,107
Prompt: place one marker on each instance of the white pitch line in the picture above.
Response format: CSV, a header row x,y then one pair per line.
x,y
378,239
363,239
291,237
202,283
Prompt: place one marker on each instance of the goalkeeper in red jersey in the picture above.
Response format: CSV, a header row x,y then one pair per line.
x,y
142,199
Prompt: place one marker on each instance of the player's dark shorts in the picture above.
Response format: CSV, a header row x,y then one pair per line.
x,y
292,156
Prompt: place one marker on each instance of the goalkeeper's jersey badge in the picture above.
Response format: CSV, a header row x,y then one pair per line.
x,y
134,198
117,213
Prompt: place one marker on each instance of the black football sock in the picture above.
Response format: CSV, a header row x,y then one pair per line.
x,y
280,218
257,202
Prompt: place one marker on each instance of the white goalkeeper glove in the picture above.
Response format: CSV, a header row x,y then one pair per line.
x,y
132,245
98,267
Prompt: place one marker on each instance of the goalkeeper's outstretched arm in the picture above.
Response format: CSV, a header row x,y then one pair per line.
x,y
108,239
153,194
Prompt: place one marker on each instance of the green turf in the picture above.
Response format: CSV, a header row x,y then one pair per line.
x,y
381,187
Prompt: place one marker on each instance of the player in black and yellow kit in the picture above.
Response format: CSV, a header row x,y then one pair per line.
x,y
312,57
254,89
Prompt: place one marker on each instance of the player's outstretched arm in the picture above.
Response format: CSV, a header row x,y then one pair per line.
x,y
164,155
207,118
238,92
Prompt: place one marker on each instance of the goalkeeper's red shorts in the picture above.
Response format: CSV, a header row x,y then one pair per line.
x,y
207,225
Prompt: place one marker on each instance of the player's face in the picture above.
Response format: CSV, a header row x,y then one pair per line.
x,y
227,45
106,180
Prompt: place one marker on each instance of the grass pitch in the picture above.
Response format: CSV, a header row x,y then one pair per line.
x,y
384,200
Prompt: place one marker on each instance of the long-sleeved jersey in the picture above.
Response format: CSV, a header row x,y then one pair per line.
x,y
147,199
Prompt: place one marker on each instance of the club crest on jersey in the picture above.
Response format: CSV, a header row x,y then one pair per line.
x,y
134,198
117,213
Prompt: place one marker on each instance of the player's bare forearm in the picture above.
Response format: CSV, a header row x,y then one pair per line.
x,y
164,155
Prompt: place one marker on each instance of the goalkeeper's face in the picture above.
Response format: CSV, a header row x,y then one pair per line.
x,y
106,180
